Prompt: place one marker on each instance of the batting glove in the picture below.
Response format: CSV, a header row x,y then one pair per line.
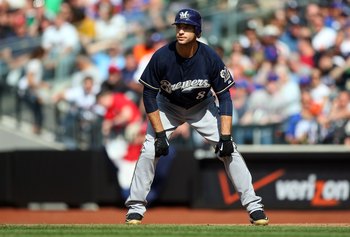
x,y
161,144
225,146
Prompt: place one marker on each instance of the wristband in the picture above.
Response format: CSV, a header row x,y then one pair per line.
x,y
160,134
225,137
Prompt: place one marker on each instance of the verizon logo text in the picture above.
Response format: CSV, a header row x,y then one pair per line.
x,y
319,192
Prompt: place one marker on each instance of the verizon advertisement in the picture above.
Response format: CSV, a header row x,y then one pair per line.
x,y
293,181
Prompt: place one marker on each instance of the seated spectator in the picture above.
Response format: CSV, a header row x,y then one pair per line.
x,y
292,33
341,75
238,62
262,111
323,38
334,124
105,55
273,48
135,15
114,82
240,96
110,26
304,124
289,96
15,33
250,41
93,7
320,92
306,129
84,68
157,40
146,47
306,52
85,26
130,66
262,104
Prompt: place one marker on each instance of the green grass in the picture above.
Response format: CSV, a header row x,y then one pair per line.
x,y
171,230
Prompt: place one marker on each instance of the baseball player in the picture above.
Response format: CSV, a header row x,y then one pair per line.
x,y
180,83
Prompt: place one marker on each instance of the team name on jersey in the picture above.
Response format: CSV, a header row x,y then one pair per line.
x,y
185,86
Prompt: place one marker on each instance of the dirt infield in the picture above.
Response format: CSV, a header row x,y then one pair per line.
x,y
161,215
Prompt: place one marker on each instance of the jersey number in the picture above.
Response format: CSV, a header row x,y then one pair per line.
x,y
200,95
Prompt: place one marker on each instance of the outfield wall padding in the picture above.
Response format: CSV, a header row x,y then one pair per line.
x,y
285,180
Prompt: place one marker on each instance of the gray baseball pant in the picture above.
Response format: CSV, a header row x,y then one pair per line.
x,y
205,119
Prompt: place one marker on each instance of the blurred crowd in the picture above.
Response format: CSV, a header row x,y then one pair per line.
x,y
292,67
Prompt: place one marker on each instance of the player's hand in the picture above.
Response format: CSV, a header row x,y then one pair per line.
x,y
161,144
225,146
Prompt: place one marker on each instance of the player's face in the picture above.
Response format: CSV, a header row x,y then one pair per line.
x,y
185,33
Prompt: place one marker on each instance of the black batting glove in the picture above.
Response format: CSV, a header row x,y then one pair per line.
x,y
161,144
225,146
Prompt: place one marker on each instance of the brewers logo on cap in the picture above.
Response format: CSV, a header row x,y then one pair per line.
x,y
184,15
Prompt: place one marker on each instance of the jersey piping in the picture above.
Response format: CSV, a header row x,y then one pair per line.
x,y
148,85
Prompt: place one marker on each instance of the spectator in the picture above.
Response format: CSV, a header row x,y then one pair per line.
x,y
323,37
343,40
334,124
31,87
84,68
67,12
320,93
156,13
147,46
273,48
93,7
86,26
15,32
306,129
289,96
154,42
289,92
135,15
263,109
6,29
306,52
130,66
240,97
312,10
334,17
121,116
327,62
157,40
61,49
114,82
110,26
81,101
341,75
106,55
238,62
292,33
250,41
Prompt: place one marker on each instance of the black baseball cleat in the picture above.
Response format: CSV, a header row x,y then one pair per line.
x,y
133,219
259,218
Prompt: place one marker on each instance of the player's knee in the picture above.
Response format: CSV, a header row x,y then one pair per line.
x,y
225,159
